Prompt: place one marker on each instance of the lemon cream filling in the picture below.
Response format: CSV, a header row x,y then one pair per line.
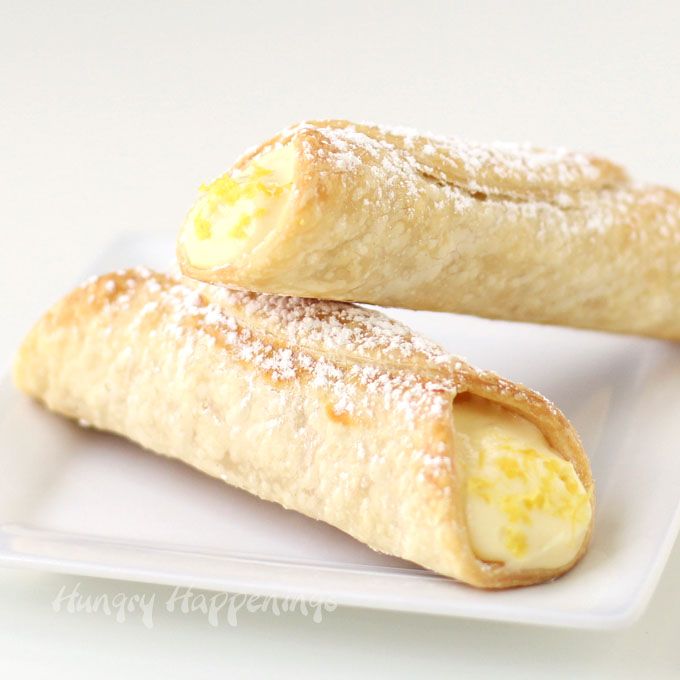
x,y
238,209
525,505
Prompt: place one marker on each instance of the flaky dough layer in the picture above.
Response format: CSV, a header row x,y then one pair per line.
x,y
396,218
332,410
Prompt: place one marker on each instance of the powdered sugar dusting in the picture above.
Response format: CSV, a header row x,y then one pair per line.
x,y
408,154
568,192
336,347
334,327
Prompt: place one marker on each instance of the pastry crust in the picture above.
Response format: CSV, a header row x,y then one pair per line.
x,y
332,410
396,218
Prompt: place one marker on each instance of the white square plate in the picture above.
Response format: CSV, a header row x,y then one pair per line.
x,y
83,502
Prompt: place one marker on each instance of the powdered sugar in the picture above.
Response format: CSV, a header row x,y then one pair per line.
x,y
354,355
568,192
334,327
400,151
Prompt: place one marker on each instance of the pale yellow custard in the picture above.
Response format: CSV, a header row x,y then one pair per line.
x,y
238,209
525,505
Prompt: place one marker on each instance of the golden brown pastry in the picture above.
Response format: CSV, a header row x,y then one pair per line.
x,y
387,216
329,409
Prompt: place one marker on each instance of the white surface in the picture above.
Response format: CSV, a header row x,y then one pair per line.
x,y
111,115
83,502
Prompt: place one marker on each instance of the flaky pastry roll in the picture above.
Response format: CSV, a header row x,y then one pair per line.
x,y
329,409
344,211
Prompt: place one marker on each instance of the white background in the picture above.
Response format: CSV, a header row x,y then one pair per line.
x,y
110,117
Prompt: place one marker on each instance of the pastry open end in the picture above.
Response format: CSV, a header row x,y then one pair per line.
x,y
238,210
388,216
525,505
329,409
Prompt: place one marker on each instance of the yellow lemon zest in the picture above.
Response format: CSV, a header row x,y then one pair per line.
x,y
514,509
224,188
227,190
552,484
515,542
511,467
480,487
202,226
239,229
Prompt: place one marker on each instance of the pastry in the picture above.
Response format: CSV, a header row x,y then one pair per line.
x,y
345,211
332,410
